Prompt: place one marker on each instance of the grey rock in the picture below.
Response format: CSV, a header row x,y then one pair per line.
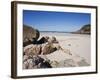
x,y
25,57
25,65
31,63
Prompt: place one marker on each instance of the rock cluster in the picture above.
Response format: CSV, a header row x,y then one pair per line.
x,y
35,51
45,48
32,62
32,48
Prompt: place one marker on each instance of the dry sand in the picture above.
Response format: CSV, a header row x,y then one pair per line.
x,y
77,44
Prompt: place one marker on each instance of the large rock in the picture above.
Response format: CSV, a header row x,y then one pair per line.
x,y
32,49
34,62
45,39
29,35
42,40
47,48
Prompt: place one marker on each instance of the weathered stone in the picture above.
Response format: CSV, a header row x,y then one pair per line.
x,y
29,34
54,40
47,48
31,63
25,65
43,40
25,57
32,49
45,64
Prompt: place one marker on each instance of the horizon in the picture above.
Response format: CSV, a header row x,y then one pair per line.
x,y
55,21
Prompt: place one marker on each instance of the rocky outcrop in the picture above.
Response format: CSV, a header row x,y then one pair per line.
x,y
33,62
32,50
29,35
86,29
46,52
45,56
48,46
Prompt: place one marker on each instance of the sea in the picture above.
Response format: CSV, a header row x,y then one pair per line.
x,y
45,33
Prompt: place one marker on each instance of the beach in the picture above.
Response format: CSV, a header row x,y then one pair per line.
x,y
77,44
60,50
56,40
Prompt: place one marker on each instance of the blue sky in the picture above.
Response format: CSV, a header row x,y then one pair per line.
x,y
55,21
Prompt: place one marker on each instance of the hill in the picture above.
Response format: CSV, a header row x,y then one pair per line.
x,y
86,29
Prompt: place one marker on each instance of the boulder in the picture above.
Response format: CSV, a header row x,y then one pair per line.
x,y
45,64
30,35
43,40
47,39
54,40
47,48
32,49
36,49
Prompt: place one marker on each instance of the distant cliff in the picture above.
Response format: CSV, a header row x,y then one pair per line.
x,y
86,29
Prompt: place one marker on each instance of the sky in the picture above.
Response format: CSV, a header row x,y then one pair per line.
x,y
55,21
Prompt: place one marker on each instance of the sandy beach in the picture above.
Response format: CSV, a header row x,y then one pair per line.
x,y
76,44
61,50
56,40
